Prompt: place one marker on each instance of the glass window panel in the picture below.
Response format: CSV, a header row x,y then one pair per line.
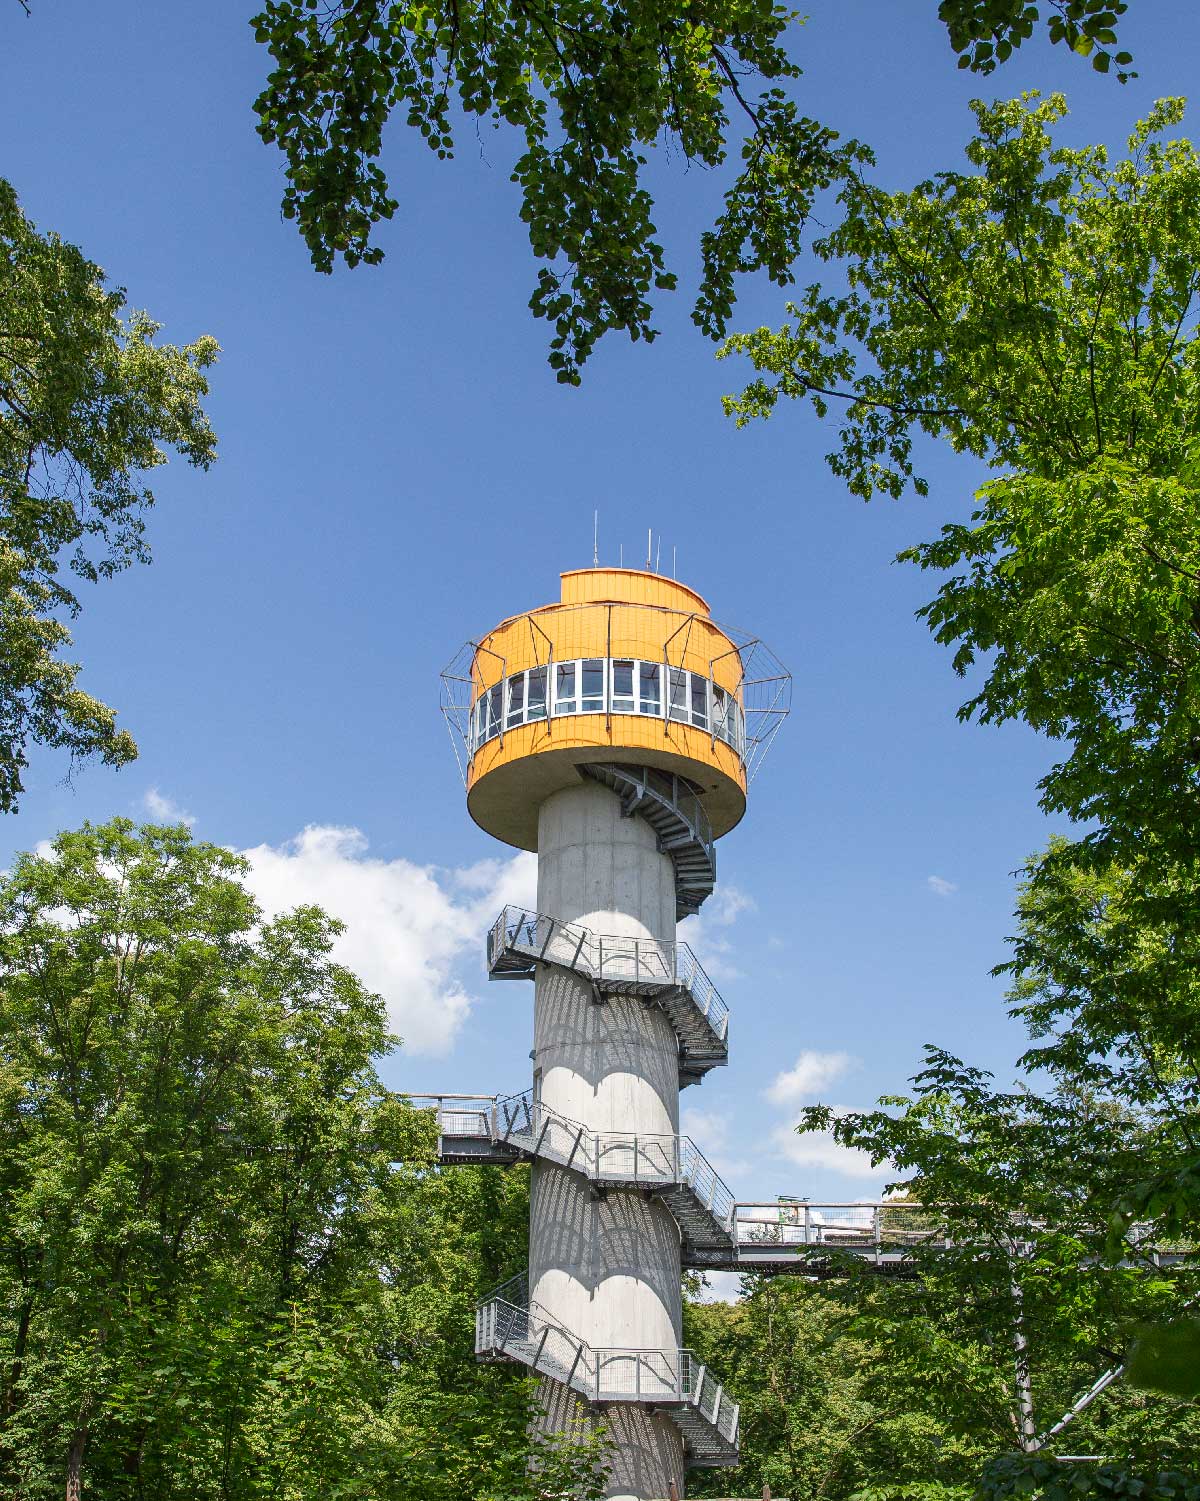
x,y
564,688
650,687
495,708
677,687
593,686
537,694
516,699
720,712
622,685
699,701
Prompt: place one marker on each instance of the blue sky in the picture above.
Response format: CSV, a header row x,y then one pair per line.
x,y
399,470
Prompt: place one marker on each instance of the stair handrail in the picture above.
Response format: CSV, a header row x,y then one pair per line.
x,y
689,1166
675,1376
655,961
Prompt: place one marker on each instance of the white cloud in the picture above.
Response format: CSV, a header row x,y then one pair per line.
x,y
707,932
817,1149
709,1129
165,809
811,1073
940,886
407,926
721,1287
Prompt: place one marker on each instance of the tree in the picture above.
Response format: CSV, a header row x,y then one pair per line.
x,y
1040,314
228,1268
827,1409
1031,1302
87,399
1055,1277
588,89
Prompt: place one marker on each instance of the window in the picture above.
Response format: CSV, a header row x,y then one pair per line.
x,y
593,686
537,693
516,700
699,701
720,713
677,683
650,688
622,687
564,688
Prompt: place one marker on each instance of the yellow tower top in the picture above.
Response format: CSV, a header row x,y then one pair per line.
x,y
627,668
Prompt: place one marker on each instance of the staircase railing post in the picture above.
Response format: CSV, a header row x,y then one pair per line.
x,y
575,1362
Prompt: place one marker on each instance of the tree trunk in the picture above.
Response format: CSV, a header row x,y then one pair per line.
x,y
1026,1428
75,1452
75,1465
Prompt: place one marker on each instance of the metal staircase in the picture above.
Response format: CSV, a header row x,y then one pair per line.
x,y
509,1326
672,808
667,975
487,1128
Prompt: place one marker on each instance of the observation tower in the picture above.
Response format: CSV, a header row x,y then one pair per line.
x,y
615,732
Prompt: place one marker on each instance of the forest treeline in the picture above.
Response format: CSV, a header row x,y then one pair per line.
x,y
231,1268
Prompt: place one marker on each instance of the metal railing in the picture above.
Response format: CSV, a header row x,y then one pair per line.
x,y
646,1160
640,962
801,1225
471,1115
509,1323
796,1226
673,792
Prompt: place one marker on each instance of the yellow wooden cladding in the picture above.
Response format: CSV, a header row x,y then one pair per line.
x,y
604,613
611,612
603,585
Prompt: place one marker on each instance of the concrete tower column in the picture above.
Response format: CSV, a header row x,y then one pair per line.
x,y
612,731
606,1266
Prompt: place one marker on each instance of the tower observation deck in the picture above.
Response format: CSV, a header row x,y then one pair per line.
x,y
615,732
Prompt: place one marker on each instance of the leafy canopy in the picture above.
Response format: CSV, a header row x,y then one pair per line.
x,y
587,87
1039,313
88,404
228,1268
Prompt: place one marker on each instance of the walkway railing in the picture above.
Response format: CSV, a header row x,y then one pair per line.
x,y
640,1158
866,1228
640,965
509,1325
608,1157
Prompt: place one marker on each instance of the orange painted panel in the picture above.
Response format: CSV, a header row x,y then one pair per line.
x,y
628,732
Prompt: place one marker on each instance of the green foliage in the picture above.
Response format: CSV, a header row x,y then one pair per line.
x,y
588,87
87,404
1038,1479
1166,1358
827,1408
1050,1276
986,33
1039,313
227,1266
